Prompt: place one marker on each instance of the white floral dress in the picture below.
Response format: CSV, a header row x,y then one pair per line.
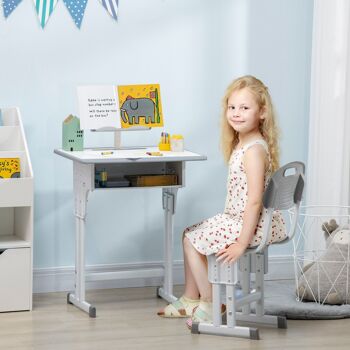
x,y
213,234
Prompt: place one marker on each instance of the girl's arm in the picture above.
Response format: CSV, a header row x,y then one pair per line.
x,y
254,162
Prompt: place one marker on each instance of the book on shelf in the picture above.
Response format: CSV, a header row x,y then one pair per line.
x,y
10,168
152,180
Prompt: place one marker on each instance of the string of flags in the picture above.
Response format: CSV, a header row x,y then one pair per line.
x,y
76,8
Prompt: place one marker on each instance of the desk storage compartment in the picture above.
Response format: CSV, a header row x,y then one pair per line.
x,y
15,279
139,174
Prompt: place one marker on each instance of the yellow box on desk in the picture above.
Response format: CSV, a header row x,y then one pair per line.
x,y
10,168
152,180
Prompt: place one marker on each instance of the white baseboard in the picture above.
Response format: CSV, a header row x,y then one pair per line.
x,y
281,267
59,279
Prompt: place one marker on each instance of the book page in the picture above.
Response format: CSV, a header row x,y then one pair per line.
x,y
98,107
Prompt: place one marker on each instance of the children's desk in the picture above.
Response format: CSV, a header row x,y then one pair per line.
x,y
119,163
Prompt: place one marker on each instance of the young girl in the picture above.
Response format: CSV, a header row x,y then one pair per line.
x,y
249,143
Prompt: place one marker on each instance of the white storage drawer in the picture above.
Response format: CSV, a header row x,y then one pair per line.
x,y
15,279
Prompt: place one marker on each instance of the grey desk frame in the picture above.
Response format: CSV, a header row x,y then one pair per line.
x,y
84,164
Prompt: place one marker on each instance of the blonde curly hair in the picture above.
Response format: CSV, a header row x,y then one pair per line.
x,y
268,126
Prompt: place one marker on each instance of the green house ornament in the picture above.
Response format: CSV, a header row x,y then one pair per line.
x,y
72,136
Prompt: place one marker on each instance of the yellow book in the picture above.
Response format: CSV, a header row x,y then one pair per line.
x,y
10,168
152,180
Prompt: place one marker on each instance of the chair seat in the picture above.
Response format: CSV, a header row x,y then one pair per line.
x,y
253,249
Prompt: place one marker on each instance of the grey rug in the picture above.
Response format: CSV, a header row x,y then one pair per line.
x,y
280,300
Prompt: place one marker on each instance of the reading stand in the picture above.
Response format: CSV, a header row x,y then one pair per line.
x,y
117,133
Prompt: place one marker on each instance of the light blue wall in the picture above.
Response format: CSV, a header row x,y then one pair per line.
x,y
280,53
193,48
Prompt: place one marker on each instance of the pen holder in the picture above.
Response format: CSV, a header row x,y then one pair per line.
x,y
164,146
177,143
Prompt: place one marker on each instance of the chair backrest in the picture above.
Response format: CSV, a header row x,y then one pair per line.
x,y
284,191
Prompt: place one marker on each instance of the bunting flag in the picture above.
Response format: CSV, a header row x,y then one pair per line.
x,y
44,8
76,9
9,6
111,6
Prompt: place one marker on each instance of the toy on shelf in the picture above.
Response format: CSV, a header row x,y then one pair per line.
x,y
164,144
72,136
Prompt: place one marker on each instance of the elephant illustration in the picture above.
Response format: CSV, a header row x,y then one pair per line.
x,y
134,108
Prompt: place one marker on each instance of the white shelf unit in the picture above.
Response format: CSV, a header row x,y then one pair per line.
x,y
16,218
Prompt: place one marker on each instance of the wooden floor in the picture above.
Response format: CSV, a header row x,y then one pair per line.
x,y
126,319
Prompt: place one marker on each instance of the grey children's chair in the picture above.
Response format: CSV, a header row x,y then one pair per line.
x,y
283,192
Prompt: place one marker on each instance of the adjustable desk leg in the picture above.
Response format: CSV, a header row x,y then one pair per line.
x,y
169,201
82,181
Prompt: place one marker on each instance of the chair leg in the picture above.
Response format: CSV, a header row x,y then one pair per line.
x,y
245,263
220,274
259,283
267,320
217,328
217,318
237,275
230,306
259,317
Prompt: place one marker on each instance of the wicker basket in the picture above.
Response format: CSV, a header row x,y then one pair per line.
x,y
322,274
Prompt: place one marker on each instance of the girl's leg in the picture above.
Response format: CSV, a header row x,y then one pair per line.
x,y
196,272
191,292
191,289
199,269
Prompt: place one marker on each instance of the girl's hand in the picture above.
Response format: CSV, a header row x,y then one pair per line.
x,y
231,253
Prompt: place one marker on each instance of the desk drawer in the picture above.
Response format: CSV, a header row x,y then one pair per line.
x,y
141,174
15,278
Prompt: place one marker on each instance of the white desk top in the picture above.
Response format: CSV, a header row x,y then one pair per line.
x,y
139,155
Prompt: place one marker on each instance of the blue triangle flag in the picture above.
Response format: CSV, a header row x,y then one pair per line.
x,y
111,6
76,9
9,6
44,9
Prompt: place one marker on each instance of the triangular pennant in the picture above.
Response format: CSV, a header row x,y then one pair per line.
x,y
111,6
9,6
44,8
76,9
